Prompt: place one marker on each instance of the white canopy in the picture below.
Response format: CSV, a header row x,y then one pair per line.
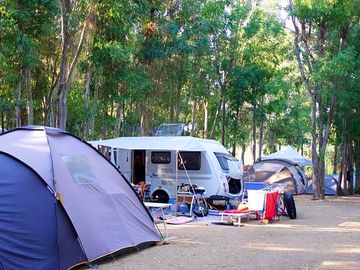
x,y
183,143
290,154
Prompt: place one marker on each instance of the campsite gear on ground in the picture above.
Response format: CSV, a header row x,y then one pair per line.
x,y
223,222
184,208
75,206
236,215
235,202
256,200
179,220
285,203
228,206
272,201
251,186
200,210
173,203
218,202
213,212
198,203
278,171
271,205
290,205
159,208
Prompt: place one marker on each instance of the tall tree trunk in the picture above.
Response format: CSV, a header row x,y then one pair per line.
x,y
357,166
254,133
334,170
261,129
30,102
144,119
89,74
206,118
342,175
350,169
18,99
212,133
66,70
223,119
315,158
94,109
193,120
243,150
119,116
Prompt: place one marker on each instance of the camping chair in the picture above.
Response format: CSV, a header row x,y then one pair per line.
x,y
251,186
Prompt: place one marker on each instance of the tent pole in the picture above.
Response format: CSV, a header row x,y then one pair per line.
x,y
176,176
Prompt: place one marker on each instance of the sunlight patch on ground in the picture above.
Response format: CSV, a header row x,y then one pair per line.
x,y
274,247
347,250
187,241
340,264
350,224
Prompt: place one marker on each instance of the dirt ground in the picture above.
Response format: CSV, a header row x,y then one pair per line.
x,y
326,235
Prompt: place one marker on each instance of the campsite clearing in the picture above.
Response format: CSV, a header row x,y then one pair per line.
x,y
326,235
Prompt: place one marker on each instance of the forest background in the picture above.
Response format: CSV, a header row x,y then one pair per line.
x,y
251,74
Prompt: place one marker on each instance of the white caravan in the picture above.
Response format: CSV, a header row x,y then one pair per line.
x,y
168,162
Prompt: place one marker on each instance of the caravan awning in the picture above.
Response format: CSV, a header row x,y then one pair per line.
x,y
184,143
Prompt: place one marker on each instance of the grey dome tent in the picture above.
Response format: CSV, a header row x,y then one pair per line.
x,y
63,204
289,153
278,171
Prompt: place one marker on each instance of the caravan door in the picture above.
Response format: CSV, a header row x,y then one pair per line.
x,y
124,161
138,166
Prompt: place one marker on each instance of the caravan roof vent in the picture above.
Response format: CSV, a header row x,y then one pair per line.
x,y
170,130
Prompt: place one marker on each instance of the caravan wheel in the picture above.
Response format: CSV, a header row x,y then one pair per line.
x,y
160,196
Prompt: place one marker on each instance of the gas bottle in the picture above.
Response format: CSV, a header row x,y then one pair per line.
x,y
184,208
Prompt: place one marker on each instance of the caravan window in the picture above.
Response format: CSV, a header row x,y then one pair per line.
x,y
160,157
189,161
223,161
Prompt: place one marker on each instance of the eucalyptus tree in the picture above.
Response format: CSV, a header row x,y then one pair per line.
x,y
25,27
260,53
321,30
75,17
